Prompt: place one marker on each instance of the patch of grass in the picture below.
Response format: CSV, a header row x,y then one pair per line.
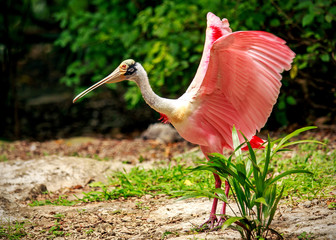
x,y
318,159
59,216
3,158
140,205
306,236
116,212
138,182
253,186
12,231
167,233
80,211
62,200
173,180
332,205
96,157
56,229
141,159
89,231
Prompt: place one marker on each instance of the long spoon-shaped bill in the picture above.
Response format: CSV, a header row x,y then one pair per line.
x,y
114,77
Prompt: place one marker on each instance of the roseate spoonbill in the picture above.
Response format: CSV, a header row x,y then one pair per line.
x,y
237,83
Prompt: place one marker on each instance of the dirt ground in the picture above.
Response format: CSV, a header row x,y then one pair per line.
x,y
65,167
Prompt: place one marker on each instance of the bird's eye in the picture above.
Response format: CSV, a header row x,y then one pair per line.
x,y
131,70
124,66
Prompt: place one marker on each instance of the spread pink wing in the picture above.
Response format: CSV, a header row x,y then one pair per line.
x,y
240,85
215,29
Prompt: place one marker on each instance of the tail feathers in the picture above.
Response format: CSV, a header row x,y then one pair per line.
x,y
256,142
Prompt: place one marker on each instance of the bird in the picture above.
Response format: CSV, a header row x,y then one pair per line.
x,y
236,84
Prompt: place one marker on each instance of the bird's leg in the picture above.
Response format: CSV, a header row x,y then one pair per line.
x,y
222,218
212,219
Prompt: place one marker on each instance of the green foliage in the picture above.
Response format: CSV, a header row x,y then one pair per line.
x,y
138,182
62,200
11,231
167,38
332,205
56,229
320,160
167,233
171,181
254,187
306,236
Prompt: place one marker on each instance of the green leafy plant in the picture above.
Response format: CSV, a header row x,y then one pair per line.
x,y
89,231
255,189
316,158
332,205
140,205
11,231
138,182
62,200
56,229
173,181
167,233
167,37
306,236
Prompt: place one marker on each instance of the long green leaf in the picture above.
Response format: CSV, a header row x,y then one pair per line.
x,y
219,156
249,168
293,134
198,194
261,200
228,169
251,152
259,181
244,181
274,207
267,158
236,142
302,141
230,221
221,194
270,196
271,181
256,169
241,198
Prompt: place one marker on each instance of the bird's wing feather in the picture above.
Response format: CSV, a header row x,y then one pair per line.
x,y
216,28
241,83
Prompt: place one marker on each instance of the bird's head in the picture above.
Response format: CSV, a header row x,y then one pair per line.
x,y
126,71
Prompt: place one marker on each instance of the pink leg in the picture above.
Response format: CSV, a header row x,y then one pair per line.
x,y
218,182
212,219
222,218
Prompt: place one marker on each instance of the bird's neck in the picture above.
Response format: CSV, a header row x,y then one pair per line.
x,y
159,104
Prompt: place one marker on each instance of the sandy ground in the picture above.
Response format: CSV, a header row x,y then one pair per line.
x,y
134,218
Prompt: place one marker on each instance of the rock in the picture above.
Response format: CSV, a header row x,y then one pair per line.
x,y
126,219
23,180
148,196
36,190
163,133
306,204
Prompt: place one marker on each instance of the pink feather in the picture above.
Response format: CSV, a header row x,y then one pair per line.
x,y
237,83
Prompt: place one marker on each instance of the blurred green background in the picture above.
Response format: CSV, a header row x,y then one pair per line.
x,y
50,50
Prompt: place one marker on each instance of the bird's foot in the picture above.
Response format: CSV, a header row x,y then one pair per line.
x,y
212,224
220,223
209,224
